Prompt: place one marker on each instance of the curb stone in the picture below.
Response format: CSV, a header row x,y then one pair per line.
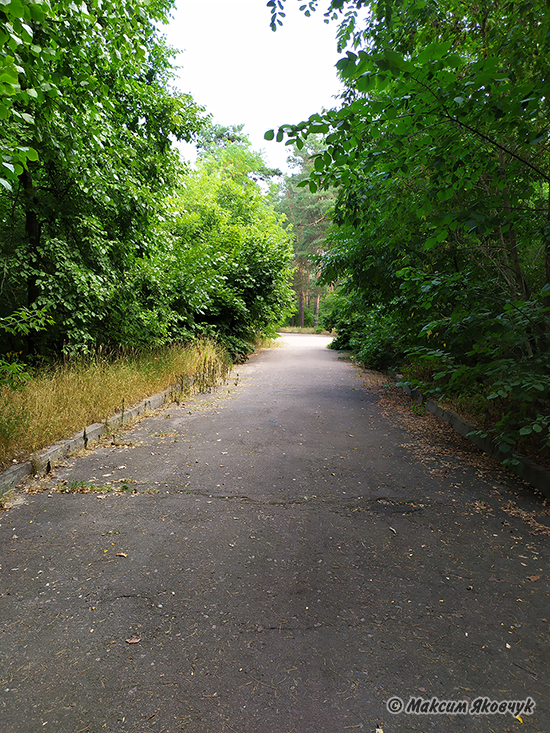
x,y
535,475
42,461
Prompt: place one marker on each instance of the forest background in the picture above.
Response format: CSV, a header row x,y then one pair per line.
x,y
433,168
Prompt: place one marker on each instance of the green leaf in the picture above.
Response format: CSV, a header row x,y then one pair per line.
x,y
397,61
269,135
16,9
9,75
319,163
366,82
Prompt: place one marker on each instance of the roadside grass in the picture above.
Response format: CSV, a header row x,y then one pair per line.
x,y
268,342
62,399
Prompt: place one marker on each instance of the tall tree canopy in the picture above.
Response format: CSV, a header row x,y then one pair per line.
x,y
440,152
308,214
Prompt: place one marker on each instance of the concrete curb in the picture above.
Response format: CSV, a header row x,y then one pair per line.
x,y
537,476
43,461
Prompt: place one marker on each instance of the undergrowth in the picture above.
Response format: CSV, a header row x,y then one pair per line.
x,y
59,400
513,408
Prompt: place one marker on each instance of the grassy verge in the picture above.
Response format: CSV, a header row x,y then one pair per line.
x,y
59,401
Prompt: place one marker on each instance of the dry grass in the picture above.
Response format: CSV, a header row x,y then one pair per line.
x,y
58,402
267,342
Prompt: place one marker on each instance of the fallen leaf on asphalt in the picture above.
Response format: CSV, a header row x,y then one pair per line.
x,y
121,554
133,640
533,578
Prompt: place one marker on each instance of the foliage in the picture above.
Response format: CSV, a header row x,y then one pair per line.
x,y
229,148
69,75
94,104
228,253
13,373
309,216
88,119
375,334
439,150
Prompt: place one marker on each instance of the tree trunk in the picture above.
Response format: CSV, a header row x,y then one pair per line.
x,y
301,310
521,283
316,311
33,232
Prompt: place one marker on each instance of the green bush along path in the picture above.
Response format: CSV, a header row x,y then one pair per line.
x,y
279,556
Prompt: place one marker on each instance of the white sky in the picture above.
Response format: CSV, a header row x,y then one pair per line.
x,y
242,72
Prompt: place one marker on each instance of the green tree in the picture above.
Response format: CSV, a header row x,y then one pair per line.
x,y
309,215
227,252
229,148
93,106
439,149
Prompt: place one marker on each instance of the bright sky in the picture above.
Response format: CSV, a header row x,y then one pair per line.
x,y
242,72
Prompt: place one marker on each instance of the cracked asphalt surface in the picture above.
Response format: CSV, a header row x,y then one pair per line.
x,y
276,559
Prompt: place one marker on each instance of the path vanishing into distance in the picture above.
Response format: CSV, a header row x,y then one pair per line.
x,y
292,560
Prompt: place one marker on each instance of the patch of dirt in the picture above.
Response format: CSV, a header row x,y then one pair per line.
x,y
435,442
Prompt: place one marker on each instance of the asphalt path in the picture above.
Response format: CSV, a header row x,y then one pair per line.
x,y
277,559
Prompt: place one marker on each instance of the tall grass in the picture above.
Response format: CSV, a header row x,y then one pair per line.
x,y
63,399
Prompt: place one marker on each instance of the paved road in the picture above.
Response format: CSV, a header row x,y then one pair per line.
x,y
287,564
